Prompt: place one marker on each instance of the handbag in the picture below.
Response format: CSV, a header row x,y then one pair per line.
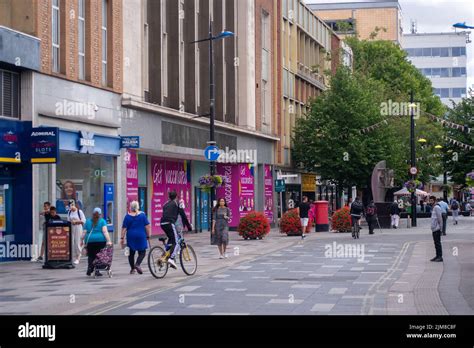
x,y
84,248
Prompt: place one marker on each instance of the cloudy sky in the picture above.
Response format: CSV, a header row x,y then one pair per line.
x,y
436,16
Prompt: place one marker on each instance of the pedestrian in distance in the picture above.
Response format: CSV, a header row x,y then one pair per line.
x,y
469,208
95,237
436,228
444,208
371,216
220,227
394,214
136,228
47,216
77,219
303,213
357,210
455,210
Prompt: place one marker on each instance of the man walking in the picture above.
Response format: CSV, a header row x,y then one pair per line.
x,y
371,216
444,209
303,212
394,214
455,210
436,227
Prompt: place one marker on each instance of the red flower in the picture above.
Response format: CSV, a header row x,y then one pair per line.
x,y
290,223
254,225
341,220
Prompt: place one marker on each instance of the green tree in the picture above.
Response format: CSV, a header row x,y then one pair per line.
x,y
460,161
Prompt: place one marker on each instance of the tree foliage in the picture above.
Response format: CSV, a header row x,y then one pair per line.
x,y
329,141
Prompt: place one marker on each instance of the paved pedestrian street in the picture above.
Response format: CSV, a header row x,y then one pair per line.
x,y
388,273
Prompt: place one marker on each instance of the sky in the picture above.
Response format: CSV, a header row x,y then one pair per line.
x,y
436,16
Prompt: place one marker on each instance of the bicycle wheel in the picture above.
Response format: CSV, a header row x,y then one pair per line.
x,y
156,264
188,260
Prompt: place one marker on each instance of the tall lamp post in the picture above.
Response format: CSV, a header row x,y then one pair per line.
x,y
212,105
413,157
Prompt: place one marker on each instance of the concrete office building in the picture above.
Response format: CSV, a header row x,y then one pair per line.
x,y
303,48
442,58
362,17
166,90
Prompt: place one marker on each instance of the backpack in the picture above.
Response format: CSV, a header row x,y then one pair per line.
x,y
455,206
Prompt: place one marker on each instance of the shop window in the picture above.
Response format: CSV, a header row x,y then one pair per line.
x,y
83,177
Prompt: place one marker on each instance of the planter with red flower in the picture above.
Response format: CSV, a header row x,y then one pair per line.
x,y
290,223
341,220
254,226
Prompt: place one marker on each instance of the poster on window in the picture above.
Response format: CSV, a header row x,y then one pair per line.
x,y
230,190
246,189
68,189
268,195
169,175
131,160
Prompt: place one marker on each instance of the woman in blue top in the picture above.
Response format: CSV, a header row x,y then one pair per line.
x,y
137,228
96,236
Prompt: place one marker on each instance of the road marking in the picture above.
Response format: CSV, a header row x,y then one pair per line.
x,y
337,291
223,313
306,286
322,307
261,295
153,313
187,288
201,306
145,305
232,289
284,301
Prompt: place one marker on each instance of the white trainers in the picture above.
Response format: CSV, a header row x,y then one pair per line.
x,y
226,256
221,256
76,262
172,263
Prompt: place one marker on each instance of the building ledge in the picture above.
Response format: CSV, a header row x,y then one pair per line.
x,y
137,104
19,49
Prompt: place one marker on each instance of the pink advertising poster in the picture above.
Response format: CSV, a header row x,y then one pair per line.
x,y
230,190
246,189
158,196
131,159
168,175
178,178
268,198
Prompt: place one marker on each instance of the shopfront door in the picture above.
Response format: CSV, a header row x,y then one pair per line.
x,y
6,225
202,210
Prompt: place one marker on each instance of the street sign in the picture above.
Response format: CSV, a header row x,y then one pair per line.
x,y
413,170
211,153
280,186
130,142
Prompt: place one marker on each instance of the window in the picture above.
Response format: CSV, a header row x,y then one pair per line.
x,y
444,52
409,52
444,92
458,72
426,72
444,72
418,52
82,39
436,72
9,94
266,66
458,92
437,91
104,41
56,36
435,52
285,8
426,52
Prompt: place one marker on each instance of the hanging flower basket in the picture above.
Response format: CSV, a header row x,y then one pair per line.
x,y
470,179
413,185
207,182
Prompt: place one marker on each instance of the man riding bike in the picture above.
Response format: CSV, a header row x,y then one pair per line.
x,y
171,210
357,210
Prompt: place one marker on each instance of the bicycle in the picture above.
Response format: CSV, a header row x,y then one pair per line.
x,y
355,227
158,258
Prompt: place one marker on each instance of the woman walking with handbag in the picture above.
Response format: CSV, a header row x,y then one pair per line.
x,y
220,227
138,231
96,236
77,219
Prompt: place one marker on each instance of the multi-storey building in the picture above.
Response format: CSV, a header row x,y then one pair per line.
x,y
442,58
304,52
166,101
62,65
362,17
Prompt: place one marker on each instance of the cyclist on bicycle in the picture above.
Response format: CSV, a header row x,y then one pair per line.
x,y
357,210
171,211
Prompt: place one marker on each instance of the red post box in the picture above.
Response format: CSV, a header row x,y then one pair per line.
x,y
322,216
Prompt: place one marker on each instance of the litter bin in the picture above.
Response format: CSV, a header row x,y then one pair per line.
x,y
322,216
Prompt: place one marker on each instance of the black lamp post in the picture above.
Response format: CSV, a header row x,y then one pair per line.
x,y
413,158
212,104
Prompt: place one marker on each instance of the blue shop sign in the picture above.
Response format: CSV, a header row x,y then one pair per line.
x,y
130,142
44,146
89,143
12,141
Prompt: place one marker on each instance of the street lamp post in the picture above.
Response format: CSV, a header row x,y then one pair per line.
x,y
212,102
413,158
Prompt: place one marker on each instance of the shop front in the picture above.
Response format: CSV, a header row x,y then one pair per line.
x,y
15,187
86,173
